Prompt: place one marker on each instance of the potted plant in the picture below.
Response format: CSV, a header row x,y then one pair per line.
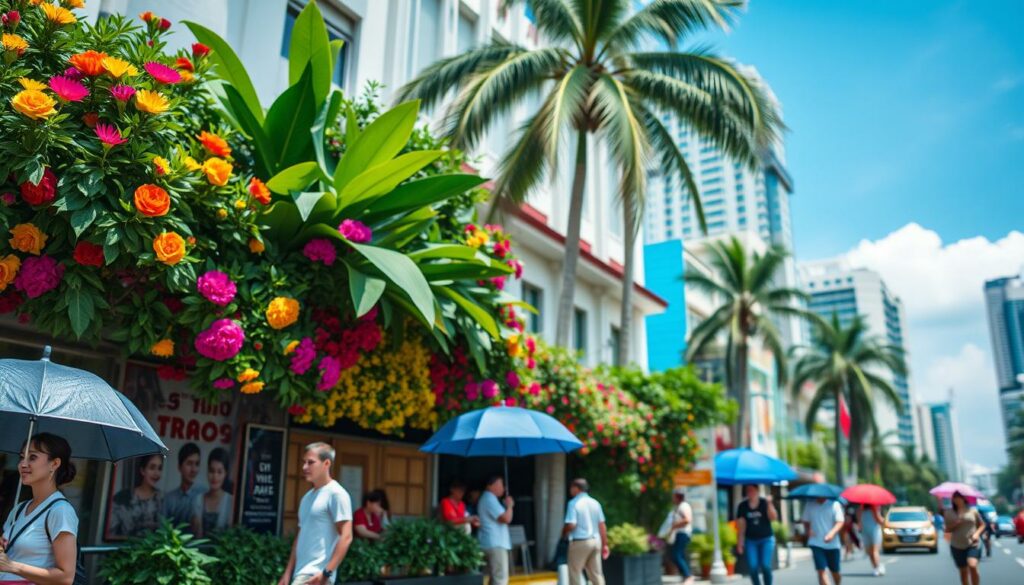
x,y
246,557
363,564
426,552
702,547
728,540
781,532
631,562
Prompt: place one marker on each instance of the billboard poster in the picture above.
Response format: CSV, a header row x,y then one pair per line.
x,y
262,478
195,485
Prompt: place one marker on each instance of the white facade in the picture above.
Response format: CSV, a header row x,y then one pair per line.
x,y
926,432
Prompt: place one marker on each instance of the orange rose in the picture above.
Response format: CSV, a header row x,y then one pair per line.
x,y
218,171
34,104
215,144
152,200
27,238
259,191
256,246
89,62
9,266
169,248
252,388
163,348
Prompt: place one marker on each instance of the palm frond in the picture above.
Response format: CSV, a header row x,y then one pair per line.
x,y
665,147
707,284
599,18
669,21
555,19
439,78
707,331
626,138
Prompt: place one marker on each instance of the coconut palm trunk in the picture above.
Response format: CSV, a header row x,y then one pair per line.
x,y
628,277
563,327
839,440
742,389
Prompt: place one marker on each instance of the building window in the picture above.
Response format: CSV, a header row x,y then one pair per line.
x,y
616,334
339,26
534,297
428,28
467,33
579,331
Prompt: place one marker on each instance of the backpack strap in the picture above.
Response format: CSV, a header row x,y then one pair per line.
x,y
46,522
10,543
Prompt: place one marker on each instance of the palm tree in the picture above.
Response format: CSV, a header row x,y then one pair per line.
x,y
751,302
597,78
844,362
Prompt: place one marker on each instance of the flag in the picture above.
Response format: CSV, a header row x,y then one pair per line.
x,y
844,417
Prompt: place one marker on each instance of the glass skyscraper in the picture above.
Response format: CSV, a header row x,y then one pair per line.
x,y
1004,299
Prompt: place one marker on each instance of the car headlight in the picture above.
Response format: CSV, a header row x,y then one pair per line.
x,y
928,529
888,531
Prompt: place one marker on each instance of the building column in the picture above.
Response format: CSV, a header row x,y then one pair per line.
x,y
549,497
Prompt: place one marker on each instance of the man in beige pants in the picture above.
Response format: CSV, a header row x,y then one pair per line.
x,y
588,537
495,516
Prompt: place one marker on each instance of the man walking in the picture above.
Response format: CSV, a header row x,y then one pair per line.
x,y
588,538
325,523
824,520
178,502
680,534
494,537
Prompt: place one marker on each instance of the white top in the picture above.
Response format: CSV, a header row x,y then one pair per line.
x,y
215,520
32,546
823,518
586,513
319,513
683,510
492,533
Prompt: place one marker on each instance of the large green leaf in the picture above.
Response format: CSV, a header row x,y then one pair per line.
x,y
366,290
384,177
315,202
403,273
311,46
420,193
282,221
380,141
253,128
461,271
295,178
288,122
454,251
229,67
327,116
481,316
80,310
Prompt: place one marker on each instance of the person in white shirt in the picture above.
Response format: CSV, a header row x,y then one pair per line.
x,y
495,540
823,520
588,537
40,538
681,534
325,523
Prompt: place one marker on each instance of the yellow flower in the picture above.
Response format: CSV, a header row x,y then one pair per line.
x,y
248,375
288,349
222,213
161,165
151,102
34,104
256,246
31,84
27,238
252,388
191,164
74,3
118,68
282,312
9,266
12,42
186,76
240,204
217,170
58,15
162,348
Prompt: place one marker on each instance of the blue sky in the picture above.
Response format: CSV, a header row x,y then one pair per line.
x,y
906,146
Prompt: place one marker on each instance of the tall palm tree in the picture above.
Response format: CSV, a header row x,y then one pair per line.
x,y
745,283
597,78
844,361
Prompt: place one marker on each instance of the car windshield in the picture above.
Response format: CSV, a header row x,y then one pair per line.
x,y
908,517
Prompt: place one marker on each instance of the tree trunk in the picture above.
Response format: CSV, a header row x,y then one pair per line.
x,y
572,245
742,386
839,441
629,268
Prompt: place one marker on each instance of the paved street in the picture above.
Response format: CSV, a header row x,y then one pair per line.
x,y
1004,567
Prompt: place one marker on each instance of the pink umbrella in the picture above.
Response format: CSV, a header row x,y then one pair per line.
x,y
869,494
946,490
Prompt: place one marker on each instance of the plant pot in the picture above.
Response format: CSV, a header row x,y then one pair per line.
x,y
466,579
642,569
730,568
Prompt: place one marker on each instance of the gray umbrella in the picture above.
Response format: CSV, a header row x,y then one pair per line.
x,y
99,422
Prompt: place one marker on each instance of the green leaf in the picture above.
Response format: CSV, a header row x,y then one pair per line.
x,y
82,219
462,271
310,46
307,202
455,251
481,316
294,178
352,131
328,116
282,220
288,122
80,310
229,67
422,192
384,177
253,128
403,273
366,290
378,142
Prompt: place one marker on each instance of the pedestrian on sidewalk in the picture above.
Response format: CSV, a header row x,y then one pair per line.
x,y
325,523
823,520
681,534
495,516
870,519
755,538
965,526
587,534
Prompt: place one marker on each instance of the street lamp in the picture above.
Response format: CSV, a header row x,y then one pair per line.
x,y
718,572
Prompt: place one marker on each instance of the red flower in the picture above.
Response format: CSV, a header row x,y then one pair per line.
x,y
296,410
200,50
90,119
168,372
41,193
184,63
89,254
10,301
174,304
164,24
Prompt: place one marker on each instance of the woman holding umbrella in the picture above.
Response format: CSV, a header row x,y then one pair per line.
x,y
40,540
870,519
965,524
755,538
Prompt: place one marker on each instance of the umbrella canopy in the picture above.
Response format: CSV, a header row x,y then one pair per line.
x,y
869,494
503,431
947,489
99,422
813,491
741,466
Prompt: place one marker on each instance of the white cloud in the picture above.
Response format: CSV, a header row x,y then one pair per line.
x,y
968,372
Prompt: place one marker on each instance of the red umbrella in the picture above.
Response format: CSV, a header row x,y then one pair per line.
x,y
867,493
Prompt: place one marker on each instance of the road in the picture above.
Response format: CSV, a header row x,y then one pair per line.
x,y
1004,567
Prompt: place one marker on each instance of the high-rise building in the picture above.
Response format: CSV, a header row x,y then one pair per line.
x,y
837,289
1004,299
925,432
946,433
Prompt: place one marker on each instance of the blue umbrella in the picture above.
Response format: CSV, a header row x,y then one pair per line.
x,y
502,431
813,491
742,466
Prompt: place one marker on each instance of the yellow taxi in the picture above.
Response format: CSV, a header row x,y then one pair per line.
x,y
909,527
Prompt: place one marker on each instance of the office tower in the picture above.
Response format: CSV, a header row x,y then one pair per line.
x,y
1004,300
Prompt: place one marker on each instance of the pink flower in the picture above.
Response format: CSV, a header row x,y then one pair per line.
x,y
109,135
489,388
355,231
517,266
510,401
303,356
534,389
472,390
531,345
223,383
68,89
73,73
512,379
221,341
162,73
217,287
38,276
550,409
320,250
8,198
330,371
371,315
122,93
531,363
498,282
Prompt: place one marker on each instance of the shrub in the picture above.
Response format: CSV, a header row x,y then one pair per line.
x,y
628,540
363,561
167,556
245,557
427,547
781,532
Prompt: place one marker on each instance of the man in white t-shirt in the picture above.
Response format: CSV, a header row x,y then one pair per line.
x,y
681,533
588,537
325,523
823,520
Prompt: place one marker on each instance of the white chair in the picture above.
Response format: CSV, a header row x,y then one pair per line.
x,y
517,534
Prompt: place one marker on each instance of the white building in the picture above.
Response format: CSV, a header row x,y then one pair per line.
x,y
846,292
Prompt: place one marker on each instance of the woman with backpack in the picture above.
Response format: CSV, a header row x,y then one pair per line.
x,y
40,537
